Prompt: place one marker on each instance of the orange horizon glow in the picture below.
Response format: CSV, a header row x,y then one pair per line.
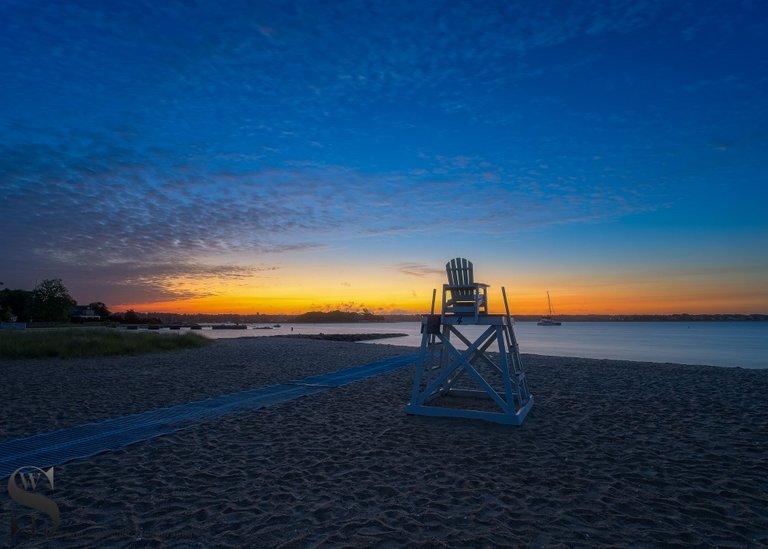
x,y
352,287
523,303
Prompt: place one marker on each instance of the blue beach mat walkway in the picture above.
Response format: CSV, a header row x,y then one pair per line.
x,y
82,441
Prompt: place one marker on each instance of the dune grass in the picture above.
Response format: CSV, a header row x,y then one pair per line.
x,y
90,342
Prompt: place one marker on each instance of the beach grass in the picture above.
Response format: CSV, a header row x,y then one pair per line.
x,y
90,342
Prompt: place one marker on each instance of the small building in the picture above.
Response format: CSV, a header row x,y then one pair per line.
x,y
83,313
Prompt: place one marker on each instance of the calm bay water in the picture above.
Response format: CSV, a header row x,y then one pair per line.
x,y
743,344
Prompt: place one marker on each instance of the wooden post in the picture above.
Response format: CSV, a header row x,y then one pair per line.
x,y
513,346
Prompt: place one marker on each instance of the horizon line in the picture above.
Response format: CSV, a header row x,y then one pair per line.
x,y
564,315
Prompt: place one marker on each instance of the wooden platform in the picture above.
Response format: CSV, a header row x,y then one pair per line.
x,y
443,371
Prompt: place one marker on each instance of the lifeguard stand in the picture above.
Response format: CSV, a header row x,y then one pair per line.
x,y
469,383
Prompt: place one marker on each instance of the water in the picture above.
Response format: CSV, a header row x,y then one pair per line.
x,y
743,344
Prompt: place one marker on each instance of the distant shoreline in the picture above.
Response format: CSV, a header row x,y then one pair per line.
x,y
651,318
176,321
181,319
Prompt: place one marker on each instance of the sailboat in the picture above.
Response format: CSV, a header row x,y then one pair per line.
x,y
548,320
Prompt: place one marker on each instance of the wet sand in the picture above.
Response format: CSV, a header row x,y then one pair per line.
x,y
614,453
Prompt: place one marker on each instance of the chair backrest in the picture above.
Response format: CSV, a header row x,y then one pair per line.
x,y
467,297
460,272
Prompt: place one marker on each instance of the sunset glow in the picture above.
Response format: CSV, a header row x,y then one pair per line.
x,y
255,157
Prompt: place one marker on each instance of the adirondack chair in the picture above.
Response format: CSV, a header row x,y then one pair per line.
x,y
462,295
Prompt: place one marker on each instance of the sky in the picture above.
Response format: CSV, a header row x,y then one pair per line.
x,y
279,157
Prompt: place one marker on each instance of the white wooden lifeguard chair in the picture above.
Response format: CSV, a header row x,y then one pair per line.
x,y
469,383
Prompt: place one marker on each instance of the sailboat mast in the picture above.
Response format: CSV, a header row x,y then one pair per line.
x,y
548,320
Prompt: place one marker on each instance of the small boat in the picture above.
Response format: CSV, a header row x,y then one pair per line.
x,y
276,326
548,320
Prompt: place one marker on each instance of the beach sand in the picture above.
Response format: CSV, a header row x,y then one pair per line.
x,y
613,453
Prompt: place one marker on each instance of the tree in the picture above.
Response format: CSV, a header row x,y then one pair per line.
x,y
100,309
18,301
6,315
51,301
130,317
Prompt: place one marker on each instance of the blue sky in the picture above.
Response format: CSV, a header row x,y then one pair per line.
x,y
193,155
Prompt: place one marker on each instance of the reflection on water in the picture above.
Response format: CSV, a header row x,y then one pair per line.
x,y
743,344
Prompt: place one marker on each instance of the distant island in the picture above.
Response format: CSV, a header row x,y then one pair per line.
x,y
337,316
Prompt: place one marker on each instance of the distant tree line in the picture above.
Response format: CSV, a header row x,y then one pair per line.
x,y
50,301
338,316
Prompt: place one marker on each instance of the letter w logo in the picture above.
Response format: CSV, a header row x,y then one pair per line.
x,y
30,478
23,493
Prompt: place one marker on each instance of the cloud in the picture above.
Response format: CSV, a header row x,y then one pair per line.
x,y
418,269
312,62
107,203
176,282
145,144
84,206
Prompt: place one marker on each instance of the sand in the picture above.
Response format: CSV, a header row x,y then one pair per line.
x,y
614,453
